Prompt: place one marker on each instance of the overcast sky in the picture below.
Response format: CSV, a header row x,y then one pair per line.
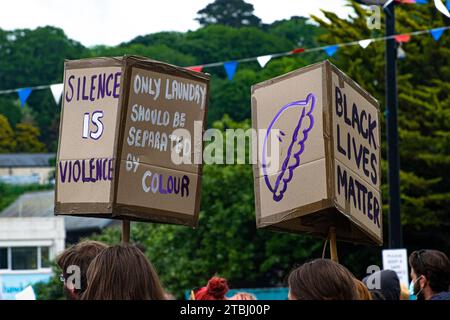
x,y
111,22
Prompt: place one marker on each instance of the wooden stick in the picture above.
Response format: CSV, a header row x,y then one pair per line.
x,y
125,231
333,245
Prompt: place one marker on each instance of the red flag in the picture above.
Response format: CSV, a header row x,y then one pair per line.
x,y
298,50
403,38
196,68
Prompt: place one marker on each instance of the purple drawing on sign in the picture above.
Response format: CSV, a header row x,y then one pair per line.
x,y
296,144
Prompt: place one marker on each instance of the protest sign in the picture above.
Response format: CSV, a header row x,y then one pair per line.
x,y
318,158
117,129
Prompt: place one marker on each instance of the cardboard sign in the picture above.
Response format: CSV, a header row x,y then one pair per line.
x,y
118,120
318,155
397,260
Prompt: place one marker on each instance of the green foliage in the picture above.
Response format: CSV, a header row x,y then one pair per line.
x,y
233,13
11,110
7,142
424,113
27,138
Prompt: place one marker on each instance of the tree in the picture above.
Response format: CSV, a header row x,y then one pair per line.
x,y
233,13
7,142
27,138
424,113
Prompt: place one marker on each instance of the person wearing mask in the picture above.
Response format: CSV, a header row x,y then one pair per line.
x,y
74,263
388,281
322,279
122,272
430,275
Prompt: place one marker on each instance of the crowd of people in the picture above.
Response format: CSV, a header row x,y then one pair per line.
x,y
95,271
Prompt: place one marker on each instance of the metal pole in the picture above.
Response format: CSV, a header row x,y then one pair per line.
x,y
395,227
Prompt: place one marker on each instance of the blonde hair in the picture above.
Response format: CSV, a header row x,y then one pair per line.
x,y
363,291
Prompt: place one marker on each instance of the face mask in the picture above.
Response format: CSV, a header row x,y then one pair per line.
x,y
412,290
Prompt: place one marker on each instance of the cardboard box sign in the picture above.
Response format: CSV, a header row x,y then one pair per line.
x,y
325,131
118,122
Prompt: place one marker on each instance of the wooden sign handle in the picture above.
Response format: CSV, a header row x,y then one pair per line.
x,y
333,245
125,231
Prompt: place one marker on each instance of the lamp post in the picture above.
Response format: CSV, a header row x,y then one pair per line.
x,y
395,226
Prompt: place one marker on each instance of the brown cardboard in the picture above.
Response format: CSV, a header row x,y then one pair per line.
x,y
304,195
123,195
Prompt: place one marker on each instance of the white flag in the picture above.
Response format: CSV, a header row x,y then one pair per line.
x,y
26,294
365,43
57,90
441,7
263,60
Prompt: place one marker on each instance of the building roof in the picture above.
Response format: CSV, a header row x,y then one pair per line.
x,y
25,160
42,203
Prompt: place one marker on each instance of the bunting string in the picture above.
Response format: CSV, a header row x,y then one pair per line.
x,y
231,65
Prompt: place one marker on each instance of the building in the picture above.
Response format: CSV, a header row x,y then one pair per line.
x,y
26,168
31,236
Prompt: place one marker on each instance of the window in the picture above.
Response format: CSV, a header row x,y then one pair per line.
x,y
24,258
3,258
45,257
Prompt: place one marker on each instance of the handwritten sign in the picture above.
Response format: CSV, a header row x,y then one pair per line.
x,y
118,131
318,155
397,260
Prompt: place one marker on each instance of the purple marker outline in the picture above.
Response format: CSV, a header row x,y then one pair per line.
x,y
301,103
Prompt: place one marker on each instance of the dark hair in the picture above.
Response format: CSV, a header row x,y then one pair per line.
x,y
377,295
80,255
122,272
434,265
322,279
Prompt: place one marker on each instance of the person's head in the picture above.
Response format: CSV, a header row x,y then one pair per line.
x,y
385,281
122,272
243,296
430,273
216,289
363,292
322,279
74,262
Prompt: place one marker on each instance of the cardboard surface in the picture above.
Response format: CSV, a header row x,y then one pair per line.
x,y
86,150
299,110
137,178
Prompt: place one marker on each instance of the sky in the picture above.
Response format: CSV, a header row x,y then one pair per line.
x,y
110,22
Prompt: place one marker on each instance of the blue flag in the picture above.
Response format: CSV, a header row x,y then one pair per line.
x,y
331,50
437,33
422,1
230,68
448,4
24,93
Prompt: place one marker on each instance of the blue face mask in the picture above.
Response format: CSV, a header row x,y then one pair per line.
x,y
412,294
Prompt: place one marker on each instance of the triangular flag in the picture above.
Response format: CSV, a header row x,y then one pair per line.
x,y
263,60
403,37
437,33
401,54
24,93
441,7
57,90
196,68
422,1
230,68
331,50
365,43
298,50
387,3
448,4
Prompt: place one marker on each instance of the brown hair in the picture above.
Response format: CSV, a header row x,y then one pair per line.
x,y
434,265
363,291
322,279
80,255
122,272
